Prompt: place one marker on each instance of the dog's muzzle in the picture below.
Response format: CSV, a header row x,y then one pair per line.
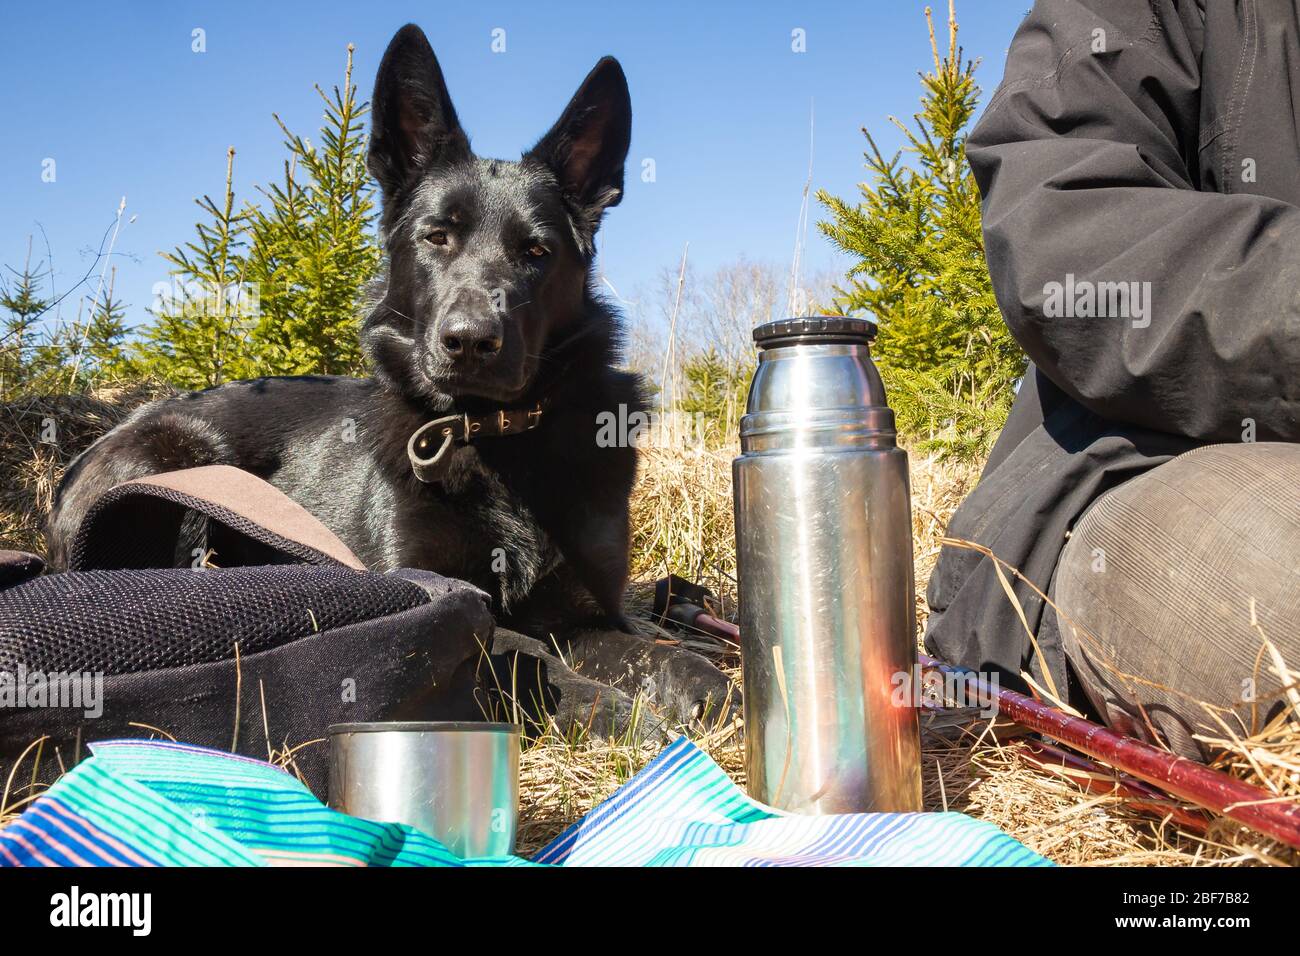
x,y
462,429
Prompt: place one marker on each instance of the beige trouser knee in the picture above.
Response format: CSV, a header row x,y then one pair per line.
x,y
1170,584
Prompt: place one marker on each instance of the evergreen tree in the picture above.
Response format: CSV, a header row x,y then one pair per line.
x,y
18,334
104,346
274,288
716,391
313,249
947,358
200,330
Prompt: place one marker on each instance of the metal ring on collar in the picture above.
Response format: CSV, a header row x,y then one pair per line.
x,y
432,469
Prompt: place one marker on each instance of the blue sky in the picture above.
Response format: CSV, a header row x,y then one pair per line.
x,y
115,95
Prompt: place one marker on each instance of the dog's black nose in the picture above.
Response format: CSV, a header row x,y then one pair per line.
x,y
467,338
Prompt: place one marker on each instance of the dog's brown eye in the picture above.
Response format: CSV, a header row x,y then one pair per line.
x,y
537,250
437,237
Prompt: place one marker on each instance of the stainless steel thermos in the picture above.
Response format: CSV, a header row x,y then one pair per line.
x,y
824,552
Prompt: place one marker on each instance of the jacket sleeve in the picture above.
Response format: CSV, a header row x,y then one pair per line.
x,y
1086,158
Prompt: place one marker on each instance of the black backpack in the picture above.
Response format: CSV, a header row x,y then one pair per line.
x,y
258,655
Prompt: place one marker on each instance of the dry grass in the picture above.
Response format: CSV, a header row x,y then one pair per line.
x,y
563,777
31,464
682,522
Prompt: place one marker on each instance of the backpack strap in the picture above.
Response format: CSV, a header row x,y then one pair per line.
x,y
147,523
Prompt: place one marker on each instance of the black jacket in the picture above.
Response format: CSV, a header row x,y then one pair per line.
x,y
1137,142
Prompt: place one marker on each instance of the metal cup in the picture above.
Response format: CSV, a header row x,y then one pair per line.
x,y
457,781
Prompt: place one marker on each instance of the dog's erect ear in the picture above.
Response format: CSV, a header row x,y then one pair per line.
x,y
413,125
587,147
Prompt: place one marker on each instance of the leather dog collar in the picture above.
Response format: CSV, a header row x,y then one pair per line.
x,y
463,428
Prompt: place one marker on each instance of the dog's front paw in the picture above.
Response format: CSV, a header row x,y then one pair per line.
x,y
619,622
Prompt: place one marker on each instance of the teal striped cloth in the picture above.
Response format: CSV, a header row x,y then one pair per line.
x,y
683,810
149,803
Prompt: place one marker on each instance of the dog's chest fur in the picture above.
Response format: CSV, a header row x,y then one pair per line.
x,y
518,551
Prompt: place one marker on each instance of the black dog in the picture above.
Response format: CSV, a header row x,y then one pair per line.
x,y
487,313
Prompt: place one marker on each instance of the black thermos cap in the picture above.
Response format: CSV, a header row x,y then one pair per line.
x,y
814,329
